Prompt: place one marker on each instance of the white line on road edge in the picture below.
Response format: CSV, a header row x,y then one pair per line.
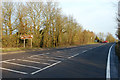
x,y
21,65
33,61
13,71
45,68
108,64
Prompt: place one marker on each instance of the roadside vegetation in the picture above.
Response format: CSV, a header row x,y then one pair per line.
x,y
118,32
43,20
47,24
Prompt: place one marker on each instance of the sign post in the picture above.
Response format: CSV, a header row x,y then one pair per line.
x,y
24,43
27,37
31,42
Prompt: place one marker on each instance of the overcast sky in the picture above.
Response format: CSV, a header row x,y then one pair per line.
x,y
95,15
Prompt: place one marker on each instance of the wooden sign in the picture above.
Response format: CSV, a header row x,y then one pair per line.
x,y
26,37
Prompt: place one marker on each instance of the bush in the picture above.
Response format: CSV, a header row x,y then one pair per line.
x,y
117,49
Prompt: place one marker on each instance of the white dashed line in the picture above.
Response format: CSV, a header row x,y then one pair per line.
x,y
45,68
13,71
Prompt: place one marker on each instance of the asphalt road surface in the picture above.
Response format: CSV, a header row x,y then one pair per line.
x,y
88,61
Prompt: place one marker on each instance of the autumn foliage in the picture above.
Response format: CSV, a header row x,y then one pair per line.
x,y
43,20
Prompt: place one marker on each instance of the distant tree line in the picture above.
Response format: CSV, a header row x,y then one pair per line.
x,y
43,20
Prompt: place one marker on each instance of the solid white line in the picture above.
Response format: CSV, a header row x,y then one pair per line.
x,y
108,64
13,70
53,60
84,51
36,55
45,68
44,59
7,60
36,58
33,61
21,65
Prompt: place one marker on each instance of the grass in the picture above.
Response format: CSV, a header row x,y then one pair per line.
x,y
117,49
33,49
18,49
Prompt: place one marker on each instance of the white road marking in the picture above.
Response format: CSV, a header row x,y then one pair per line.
x,y
7,60
84,51
40,54
73,56
108,64
44,59
36,55
47,53
21,65
33,61
36,58
45,68
91,48
60,56
13,70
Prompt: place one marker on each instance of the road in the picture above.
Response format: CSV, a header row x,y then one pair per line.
x,y
88,61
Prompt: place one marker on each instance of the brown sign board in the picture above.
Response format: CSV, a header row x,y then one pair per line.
x,y
26,36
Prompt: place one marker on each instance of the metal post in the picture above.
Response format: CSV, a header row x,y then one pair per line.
x,y
24,43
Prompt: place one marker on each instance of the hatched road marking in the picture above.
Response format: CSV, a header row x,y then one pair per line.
x,y
33,61
45,68
13,71
21,65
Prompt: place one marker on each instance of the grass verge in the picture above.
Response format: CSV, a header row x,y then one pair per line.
x,y
19,50
117,49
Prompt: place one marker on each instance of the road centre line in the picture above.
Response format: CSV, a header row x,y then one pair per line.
x,y
33,61
21,65
108,64
13,70
45,68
